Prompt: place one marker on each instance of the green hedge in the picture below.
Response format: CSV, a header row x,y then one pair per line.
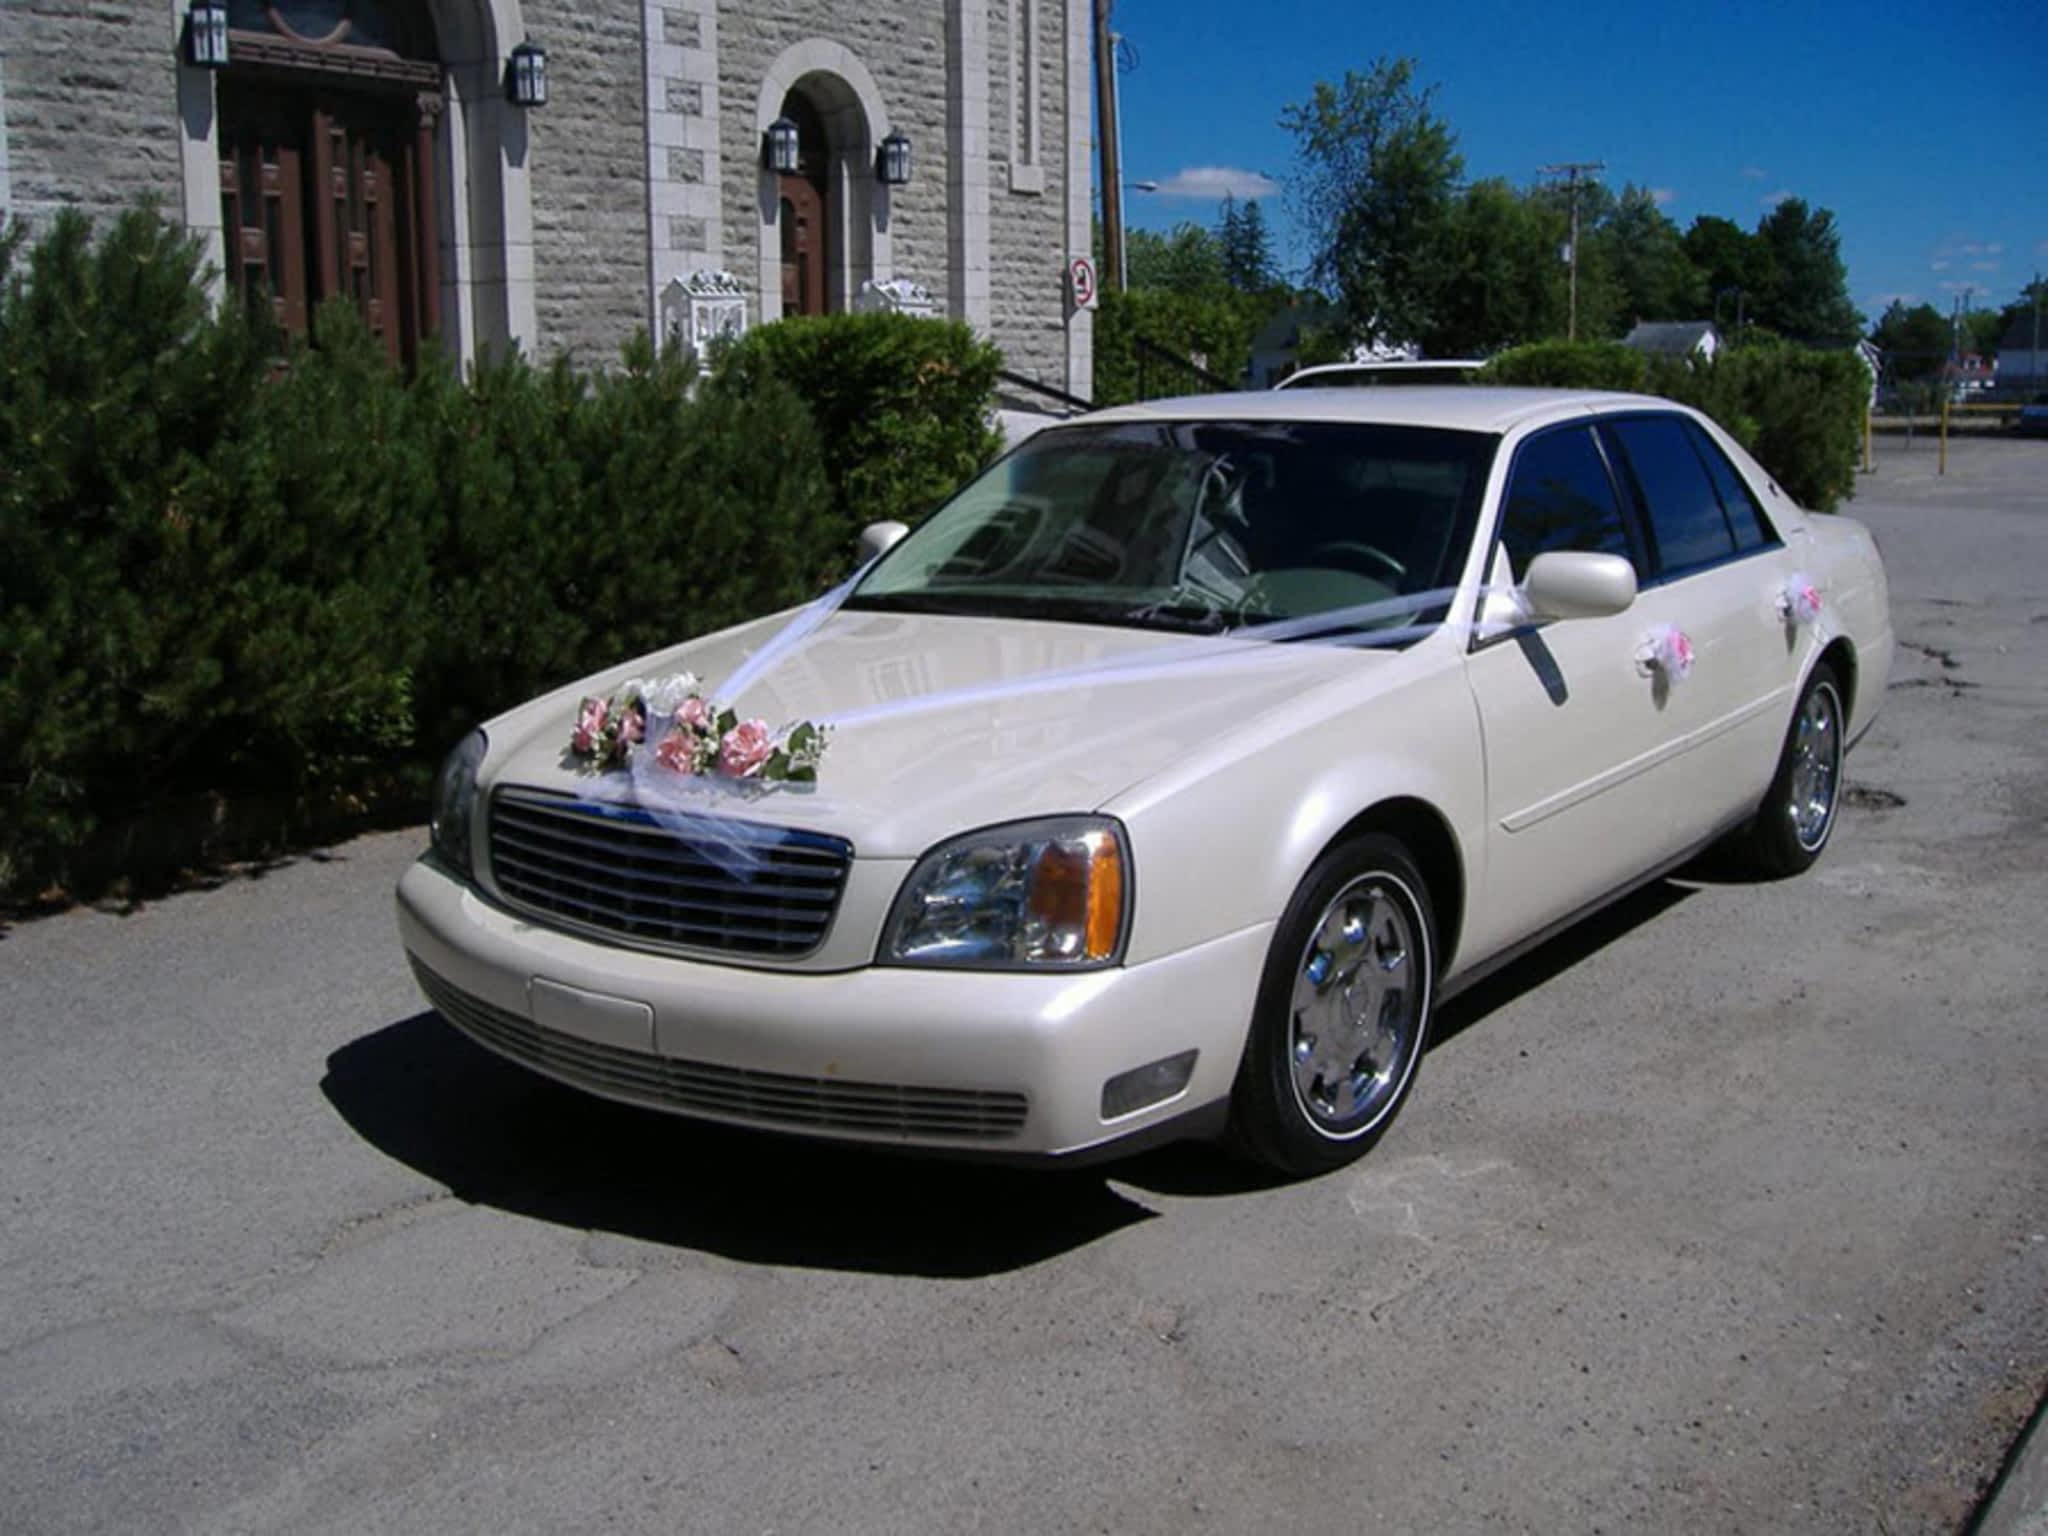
x,y
904,405
230,574
1214,327
1798,410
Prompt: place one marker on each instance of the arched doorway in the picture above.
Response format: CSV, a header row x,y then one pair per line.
x,y
327,148
801,212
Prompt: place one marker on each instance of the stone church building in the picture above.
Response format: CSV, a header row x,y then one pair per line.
x,y
561,173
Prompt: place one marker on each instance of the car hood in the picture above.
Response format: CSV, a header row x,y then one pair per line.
x,y
950,723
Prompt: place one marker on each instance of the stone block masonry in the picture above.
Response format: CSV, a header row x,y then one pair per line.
x,y
91,101
588,156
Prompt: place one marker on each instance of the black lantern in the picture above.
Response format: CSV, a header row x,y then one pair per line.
x,y
206,34
894,167
526,76
784,152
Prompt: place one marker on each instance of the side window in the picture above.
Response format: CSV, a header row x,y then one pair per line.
x,y
1560,496
1686,520
1744,515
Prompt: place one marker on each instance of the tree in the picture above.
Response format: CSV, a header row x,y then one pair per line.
x,y
2033,300
1186,259
1915,341
1655,277
1734,267
1808,299
1247,249
1377,168
1504,285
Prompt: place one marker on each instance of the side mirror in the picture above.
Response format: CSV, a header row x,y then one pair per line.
x,y
880,538
1577,584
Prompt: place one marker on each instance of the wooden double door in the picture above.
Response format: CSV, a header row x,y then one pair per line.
x,y
328,194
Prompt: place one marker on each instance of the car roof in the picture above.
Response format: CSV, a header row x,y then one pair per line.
x,y
1459,407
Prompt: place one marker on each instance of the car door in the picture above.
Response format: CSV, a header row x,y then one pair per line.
x,y
1574,729
1714,576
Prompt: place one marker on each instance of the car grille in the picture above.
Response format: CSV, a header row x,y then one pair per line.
x,y
749,889
770,1099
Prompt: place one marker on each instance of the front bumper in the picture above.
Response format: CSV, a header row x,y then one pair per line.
x,y
963,1061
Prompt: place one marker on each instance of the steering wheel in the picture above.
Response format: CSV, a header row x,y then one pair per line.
x,y
1350,555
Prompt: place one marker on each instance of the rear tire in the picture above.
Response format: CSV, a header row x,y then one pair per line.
x,y
1342,1017
1797,816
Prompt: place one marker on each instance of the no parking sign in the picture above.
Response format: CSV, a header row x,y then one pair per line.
x,y
1081,282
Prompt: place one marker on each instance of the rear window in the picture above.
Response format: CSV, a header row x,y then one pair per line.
x,y
1687,525
1737,500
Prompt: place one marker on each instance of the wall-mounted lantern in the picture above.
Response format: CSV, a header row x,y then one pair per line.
x,y
894,166
783,150
206,34
526,76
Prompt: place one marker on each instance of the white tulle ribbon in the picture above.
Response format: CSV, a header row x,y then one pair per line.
x,y
1799,601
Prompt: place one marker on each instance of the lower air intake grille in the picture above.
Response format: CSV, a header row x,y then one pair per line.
x,y
770,1099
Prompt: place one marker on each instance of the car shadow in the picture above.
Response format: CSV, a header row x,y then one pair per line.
x,y
498,1135
1198,1169
1555,956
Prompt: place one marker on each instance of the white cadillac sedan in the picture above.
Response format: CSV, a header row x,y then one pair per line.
x,y
1165,780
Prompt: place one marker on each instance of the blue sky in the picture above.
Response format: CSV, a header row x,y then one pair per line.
x,y
1924,128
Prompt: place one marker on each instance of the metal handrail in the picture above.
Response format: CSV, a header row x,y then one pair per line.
x,y
1048,390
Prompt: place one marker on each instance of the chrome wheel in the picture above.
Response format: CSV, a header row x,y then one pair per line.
x,y
1359,1000
1816,767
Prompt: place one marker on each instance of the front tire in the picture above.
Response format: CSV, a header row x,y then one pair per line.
x,y
1342,1017
1798,812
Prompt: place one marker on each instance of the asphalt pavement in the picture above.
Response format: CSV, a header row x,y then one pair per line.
x,y
1726,1212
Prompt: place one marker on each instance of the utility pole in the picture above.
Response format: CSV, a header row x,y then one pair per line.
x,y
1572,170
1106,126
2037,331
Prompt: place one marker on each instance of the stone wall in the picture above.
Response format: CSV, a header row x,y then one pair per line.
x,y
91,97
588,156
1028,230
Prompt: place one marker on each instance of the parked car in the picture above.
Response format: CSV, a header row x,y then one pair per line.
x,y
1402,371
1165,781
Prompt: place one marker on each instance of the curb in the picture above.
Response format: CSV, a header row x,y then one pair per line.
x,y
2017,1504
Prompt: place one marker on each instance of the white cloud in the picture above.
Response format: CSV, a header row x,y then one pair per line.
x,y
1772,199
1754,173
1662,196
1959,250
1217,181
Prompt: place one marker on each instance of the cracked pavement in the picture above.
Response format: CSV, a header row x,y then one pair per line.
x,y
1728,1211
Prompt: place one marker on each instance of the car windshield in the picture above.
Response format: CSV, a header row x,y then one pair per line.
x,y
1201,527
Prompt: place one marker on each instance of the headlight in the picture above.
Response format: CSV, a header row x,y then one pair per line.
x,y
455,800
1052,895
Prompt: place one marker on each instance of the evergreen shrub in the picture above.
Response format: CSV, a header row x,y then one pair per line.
x,y
233,574
904,406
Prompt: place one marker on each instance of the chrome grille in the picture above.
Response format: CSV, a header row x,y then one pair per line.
x,y
739,886
770,1099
